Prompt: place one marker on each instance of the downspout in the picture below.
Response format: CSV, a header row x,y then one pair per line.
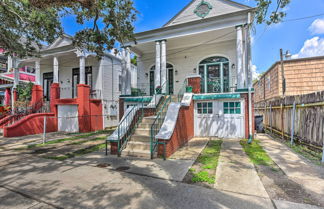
x,y
250,77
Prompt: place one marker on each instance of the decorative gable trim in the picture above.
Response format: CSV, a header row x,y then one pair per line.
x,y
188,5
200,13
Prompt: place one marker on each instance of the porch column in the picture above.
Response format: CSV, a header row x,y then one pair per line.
x,y
55,70
163,67
249,54
128,72
157,72
82,69
239,56
124,72
37,72
9,63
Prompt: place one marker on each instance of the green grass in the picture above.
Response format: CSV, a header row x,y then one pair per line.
x,y
77,153
316,157
203,176
208,159
256,153
68,139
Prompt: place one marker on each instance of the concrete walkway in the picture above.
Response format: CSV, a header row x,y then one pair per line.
x,y
297,168
236,174
175,168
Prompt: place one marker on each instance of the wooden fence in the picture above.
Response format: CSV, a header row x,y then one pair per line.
x,y
299,116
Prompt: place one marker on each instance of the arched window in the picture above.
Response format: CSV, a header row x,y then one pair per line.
x,y
170,78
215,75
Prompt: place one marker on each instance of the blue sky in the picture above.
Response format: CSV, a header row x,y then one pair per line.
x,y
291,35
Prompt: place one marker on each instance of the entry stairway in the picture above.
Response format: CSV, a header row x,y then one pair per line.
x,y
139,144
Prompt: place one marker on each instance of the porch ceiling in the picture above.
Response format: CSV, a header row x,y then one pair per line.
x,y
189,40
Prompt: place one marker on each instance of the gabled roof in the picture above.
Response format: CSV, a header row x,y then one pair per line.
x,y
64,40
218,7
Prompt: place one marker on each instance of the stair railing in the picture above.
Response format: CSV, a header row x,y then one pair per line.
x,y
156,126
126,127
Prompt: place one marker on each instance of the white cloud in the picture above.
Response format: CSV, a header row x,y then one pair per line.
x,y
312,47
317,27
255,74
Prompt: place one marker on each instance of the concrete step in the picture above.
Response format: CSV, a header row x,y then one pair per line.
x,y
143,131
140,138
149,120
144,126
136,153
133,145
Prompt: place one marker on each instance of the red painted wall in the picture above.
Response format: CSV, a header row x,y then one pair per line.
x,y
195,83
183,132
96,115
246,114
32,124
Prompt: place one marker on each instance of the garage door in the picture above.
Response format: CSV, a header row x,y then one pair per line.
x,y
68,118
224,119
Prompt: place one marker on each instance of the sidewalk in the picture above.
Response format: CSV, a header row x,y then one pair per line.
x,y
236,174
310,176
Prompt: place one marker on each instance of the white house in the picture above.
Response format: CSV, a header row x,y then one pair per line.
x,y
206,46
77,84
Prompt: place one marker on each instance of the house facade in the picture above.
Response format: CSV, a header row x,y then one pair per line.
x,y
302,76
204,50
80,89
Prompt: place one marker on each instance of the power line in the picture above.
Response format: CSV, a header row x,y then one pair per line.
x,y
303,18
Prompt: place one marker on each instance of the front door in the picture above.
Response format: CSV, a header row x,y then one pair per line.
x,y
47,82
170,81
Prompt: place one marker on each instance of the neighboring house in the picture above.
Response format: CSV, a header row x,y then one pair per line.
x,y
81,89
7,76
302,76
206,47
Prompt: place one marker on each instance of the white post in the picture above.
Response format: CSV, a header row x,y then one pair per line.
x,y
163,67
82,70
37,69
55,70
124,72
249,51
9,63
239,56
157,73
128,72
44,129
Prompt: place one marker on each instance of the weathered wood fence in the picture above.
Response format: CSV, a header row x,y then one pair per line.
x,y
299,116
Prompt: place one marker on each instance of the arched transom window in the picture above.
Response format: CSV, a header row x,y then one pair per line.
x,y
215,75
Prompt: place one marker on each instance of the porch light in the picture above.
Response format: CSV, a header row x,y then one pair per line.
x,y
195,70
176,72
146,74
233,66
68,80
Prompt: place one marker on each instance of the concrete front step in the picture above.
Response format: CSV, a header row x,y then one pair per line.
x,y
133,145
140,138
136,153
144,126
142,131
149,120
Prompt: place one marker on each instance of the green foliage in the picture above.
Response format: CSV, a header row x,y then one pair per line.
x,y
208,160
25,24
203,176
264,15
25,91
256,153
134,60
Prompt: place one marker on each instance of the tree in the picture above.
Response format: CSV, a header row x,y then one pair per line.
x,y
25,24
264,15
